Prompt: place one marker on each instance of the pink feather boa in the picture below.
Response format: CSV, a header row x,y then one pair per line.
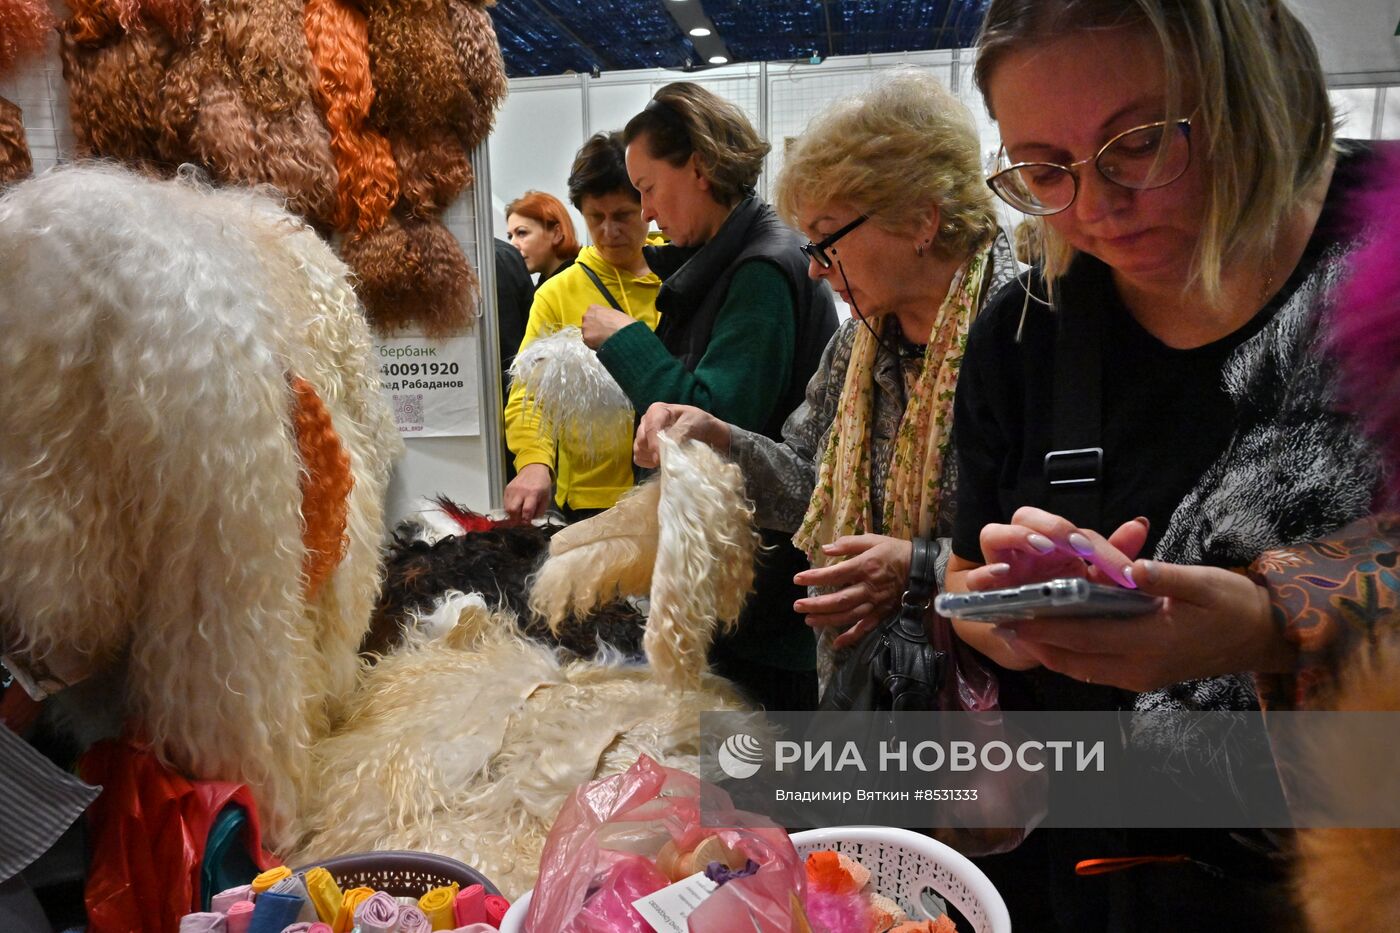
x,y
1365,332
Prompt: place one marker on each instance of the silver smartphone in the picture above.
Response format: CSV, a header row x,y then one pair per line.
x,y
1071,596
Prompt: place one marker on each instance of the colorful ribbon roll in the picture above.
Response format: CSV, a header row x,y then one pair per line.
x,y
470,905
496,907
296,887
222,901
413,920
379,914
267,879
319,928
273,912
203,923
345,916
437,906
325,894
298,927
238,916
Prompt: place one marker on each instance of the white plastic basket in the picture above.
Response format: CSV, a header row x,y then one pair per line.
x,y
903,865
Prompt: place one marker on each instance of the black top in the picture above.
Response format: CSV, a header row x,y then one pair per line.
x,y
514,293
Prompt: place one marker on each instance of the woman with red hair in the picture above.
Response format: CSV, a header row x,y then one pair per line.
x,y
539,226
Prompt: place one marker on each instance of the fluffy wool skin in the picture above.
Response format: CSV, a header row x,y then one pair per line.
x,y
571,392
433,170
469,744
24,26
15,162
1349,879
687,537
412,275
606,557
418,85
114,92
478,55
149,484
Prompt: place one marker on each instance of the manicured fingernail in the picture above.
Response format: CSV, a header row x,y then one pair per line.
x,y
998,570
828,548
1007,635
1128,577
1041,543
1143,521
1149,570
1081,545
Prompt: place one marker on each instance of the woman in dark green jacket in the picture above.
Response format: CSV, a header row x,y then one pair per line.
x,y
742,330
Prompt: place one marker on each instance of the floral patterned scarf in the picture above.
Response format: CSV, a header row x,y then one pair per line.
x,y
841,500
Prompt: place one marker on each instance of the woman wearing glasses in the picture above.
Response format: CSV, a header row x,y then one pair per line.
x,y
1155,390
888,185
742,330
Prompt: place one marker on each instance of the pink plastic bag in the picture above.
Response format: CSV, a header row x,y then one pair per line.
x,y
610,822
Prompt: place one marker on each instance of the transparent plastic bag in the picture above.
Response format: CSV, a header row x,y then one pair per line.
x,y
610,821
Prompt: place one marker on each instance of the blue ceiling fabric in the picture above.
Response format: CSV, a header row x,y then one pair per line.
x,y
550,37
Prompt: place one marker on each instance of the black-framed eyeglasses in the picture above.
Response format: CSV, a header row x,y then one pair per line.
x,y
1141,158
818,250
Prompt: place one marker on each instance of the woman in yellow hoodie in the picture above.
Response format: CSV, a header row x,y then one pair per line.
x,y
584,481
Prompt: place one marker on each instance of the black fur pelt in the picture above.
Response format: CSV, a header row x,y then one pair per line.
x,y
497,564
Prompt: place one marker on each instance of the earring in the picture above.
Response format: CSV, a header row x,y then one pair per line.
x,y
919,249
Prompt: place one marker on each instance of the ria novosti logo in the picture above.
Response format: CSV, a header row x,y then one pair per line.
x,y
741,756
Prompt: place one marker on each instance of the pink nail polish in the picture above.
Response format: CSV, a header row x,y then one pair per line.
x,y
998,570
1041,543
1128,576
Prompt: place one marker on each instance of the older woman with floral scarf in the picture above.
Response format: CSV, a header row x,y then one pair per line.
x,y
887,184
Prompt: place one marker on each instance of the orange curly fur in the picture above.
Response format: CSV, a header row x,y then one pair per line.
x,y
417,82
24,25
176,17
326,482
411,274
368,184
15,162
92,21
114,92
479,56
433,170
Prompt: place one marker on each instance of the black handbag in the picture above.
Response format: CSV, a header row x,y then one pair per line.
x,y
895,667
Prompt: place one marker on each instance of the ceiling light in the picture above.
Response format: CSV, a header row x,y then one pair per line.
x,y
718,60
699,32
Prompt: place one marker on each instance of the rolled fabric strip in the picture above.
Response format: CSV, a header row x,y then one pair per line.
x,y
238,917
203,923
476,928
345,916
294,885
273,912
496,907
413,920
470,905
379,914
437,906
267,879
298,927
319,928
222,901
325,894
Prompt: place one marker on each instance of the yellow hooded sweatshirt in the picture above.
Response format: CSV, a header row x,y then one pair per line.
x,y
583,479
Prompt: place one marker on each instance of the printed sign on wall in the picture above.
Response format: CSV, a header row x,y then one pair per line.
x,y
431,385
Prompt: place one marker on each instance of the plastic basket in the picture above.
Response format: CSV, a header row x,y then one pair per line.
x,y
903,865
401,874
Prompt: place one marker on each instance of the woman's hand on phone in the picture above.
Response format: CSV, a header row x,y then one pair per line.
x,y
1213,622
1038,546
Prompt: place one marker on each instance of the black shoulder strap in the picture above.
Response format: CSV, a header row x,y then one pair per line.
x,y
601,287
1074,469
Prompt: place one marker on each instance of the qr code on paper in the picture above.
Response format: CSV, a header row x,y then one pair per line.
x,y
408,409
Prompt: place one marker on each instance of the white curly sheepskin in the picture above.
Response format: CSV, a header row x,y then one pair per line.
x,y
149,499
574,396
468,745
